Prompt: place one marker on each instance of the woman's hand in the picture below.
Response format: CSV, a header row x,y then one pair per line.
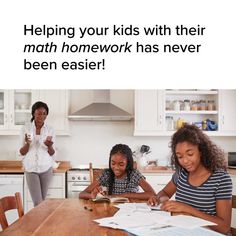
x,y
48,142
174,206
28,139
156,200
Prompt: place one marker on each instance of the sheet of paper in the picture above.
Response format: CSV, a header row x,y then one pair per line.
x,y
134,215
189,222
129,208
122,222
172,231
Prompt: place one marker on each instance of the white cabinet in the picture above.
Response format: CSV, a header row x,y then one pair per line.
x,y
56,190
227,114
192,106
158,180
233,220
160,112
148,112
57,101
15,109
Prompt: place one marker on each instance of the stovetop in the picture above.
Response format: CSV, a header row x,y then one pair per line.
x,y
77,174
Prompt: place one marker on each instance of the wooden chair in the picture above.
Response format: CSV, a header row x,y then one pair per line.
x,y
233,230
9,203
94,172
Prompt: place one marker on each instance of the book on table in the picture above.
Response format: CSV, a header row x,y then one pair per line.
x,y
101,198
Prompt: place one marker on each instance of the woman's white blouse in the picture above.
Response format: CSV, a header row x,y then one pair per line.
x,y
37,158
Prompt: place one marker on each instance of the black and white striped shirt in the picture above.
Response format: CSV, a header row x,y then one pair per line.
x,y
217,187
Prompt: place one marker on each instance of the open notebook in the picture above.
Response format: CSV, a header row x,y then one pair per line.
x,y
101,198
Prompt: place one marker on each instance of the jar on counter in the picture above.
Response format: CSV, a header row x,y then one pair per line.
x,y
211,105
204,125
168,105
176,105
1,104
187,105
194,105
202,105
179,123
169,123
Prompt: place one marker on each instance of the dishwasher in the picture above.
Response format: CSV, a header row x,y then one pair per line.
x,y
9,185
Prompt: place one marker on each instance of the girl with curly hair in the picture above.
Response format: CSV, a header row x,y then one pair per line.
x,y
202,186
121,179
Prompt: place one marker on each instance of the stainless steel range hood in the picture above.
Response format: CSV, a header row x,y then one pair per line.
x,y
101,109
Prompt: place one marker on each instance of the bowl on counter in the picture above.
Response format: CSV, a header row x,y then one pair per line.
x,y
152,167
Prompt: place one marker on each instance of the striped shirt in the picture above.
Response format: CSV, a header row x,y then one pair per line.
x,y
217,187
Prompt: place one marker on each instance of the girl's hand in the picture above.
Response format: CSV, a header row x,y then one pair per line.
x,y
174,206
155,200
100,190
103,190
95,192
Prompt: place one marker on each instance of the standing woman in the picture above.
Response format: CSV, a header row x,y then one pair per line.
x,y
37,139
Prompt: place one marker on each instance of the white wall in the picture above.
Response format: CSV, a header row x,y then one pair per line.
x,y
91,141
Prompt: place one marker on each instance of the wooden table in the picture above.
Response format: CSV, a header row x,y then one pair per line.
x,y
64,217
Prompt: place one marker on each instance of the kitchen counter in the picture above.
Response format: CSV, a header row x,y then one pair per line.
x,y
7,166
156,170
169,170
232,171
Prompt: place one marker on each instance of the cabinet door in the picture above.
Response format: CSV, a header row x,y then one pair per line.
x,y
57,101
233,220
56,190
148,112
15,110
158,181
4,111
227,117
20,102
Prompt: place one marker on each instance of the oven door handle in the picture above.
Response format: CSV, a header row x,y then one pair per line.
x,y
78,185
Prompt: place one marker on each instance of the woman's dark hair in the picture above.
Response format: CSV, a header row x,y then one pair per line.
x,y
36,106
126,152
212,157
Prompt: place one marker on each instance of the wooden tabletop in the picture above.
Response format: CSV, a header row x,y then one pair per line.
x,y
61,217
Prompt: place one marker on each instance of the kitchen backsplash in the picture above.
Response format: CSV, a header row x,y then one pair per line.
x,y
92,142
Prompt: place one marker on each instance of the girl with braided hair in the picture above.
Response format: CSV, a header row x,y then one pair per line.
x,y
121,179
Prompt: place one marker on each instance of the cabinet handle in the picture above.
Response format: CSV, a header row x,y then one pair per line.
x,y
11,118
223,120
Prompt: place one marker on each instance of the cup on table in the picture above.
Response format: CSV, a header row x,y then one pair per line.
x,y
29,136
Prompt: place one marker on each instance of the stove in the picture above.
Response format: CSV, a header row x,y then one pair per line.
x,y
77,180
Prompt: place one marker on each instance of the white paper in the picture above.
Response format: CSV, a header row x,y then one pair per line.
x,y
189,222
172,231
136,215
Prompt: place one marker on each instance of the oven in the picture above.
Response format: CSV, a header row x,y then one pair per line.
x,y
232,160
77,181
